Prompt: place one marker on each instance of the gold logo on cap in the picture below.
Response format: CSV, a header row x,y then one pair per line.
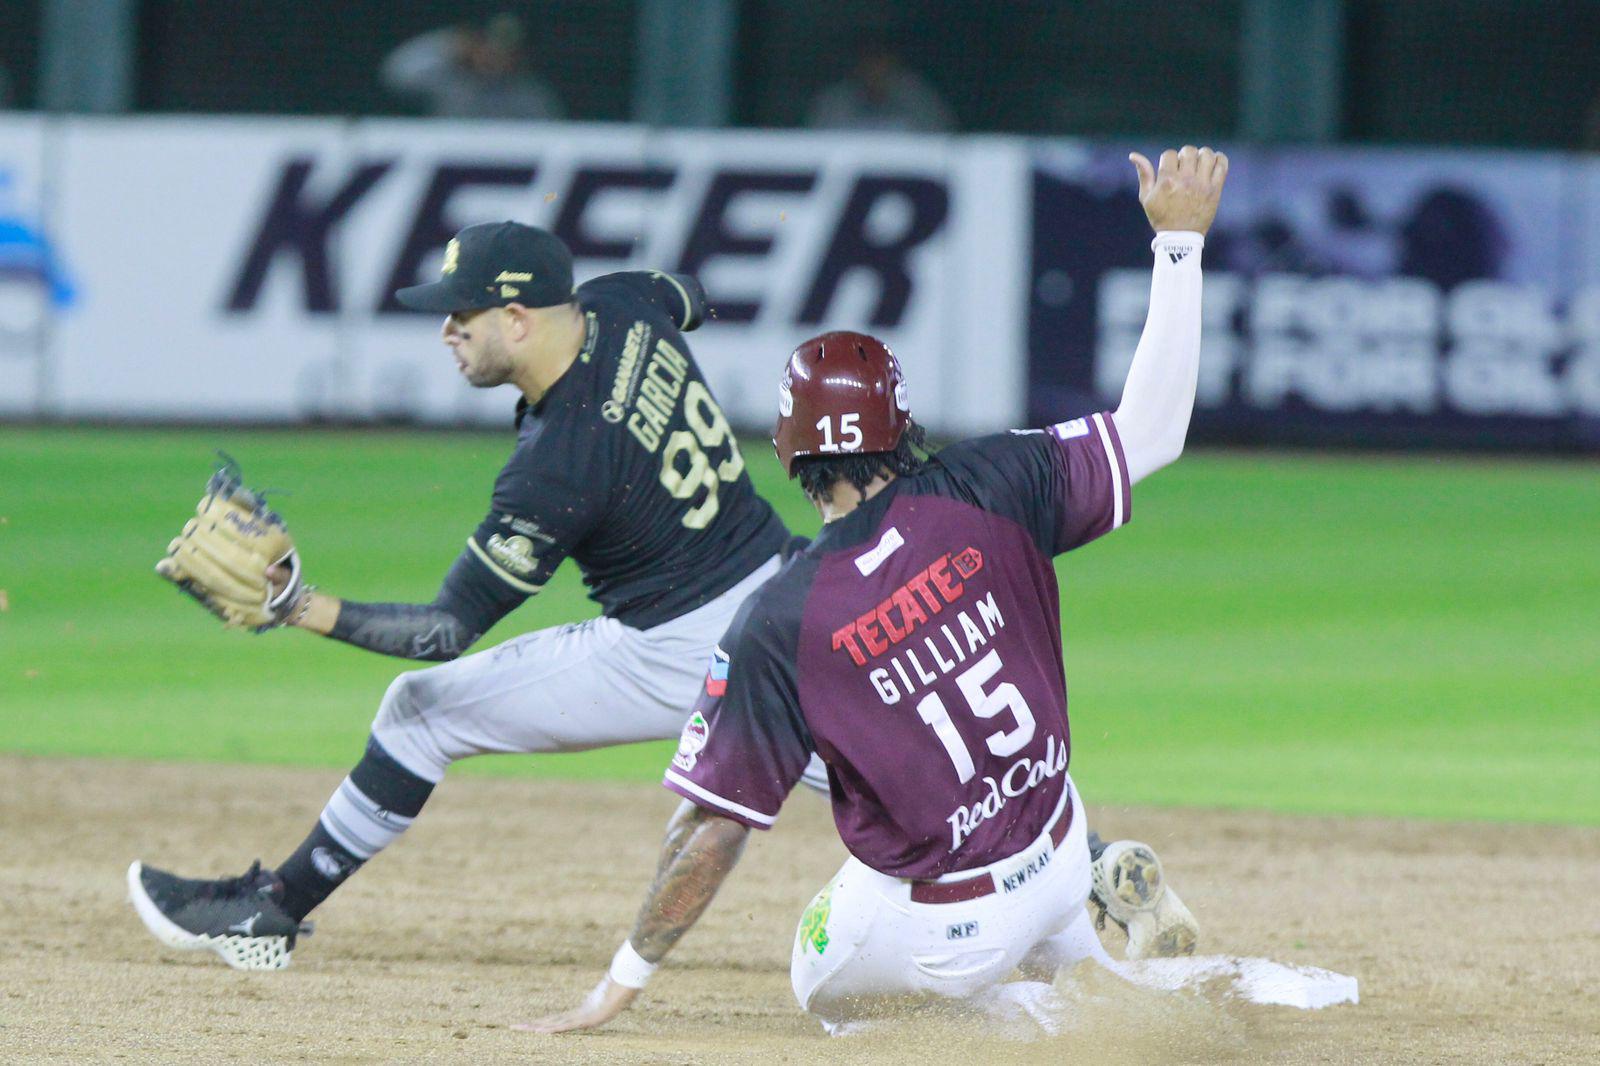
x,y
508,291
452,252
511,275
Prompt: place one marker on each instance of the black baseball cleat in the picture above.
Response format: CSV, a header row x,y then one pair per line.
x,y
240,918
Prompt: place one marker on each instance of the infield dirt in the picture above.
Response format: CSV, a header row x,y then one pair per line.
x,y
1472,942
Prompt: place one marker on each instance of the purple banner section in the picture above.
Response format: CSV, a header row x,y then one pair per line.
x,y
1359,297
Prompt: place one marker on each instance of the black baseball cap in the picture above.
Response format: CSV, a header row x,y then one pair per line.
x,y
493,264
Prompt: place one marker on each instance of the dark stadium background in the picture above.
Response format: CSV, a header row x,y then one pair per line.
x,y
1510,73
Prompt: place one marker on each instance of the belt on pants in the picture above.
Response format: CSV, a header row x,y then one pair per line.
x,y
979,885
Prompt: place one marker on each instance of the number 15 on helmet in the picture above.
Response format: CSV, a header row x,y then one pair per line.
x,y
841,392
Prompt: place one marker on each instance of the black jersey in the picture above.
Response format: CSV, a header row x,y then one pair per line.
x,y
627,465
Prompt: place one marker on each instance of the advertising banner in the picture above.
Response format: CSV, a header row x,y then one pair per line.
x,y
245,269
155,216
1359,297
224,269
36,283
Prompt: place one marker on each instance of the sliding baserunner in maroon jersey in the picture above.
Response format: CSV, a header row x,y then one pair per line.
x,y
915,647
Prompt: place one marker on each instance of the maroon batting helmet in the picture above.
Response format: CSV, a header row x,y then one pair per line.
x,y
841,393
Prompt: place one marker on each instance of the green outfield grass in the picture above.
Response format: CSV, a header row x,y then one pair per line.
x,y
1351,634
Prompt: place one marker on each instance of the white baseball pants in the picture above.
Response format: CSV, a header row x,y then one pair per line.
x,y
569,688
863,942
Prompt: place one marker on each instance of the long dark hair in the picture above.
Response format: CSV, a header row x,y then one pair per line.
x,y
818,474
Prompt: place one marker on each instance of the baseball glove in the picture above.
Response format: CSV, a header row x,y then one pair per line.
x,y
224,553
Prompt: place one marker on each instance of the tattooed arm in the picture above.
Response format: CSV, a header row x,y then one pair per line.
x,y
700,849
698,853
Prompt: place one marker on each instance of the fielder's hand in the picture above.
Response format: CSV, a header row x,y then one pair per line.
x,y
1182,194
608,1000
227,555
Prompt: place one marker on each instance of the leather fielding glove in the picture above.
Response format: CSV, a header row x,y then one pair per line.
x,y
223,555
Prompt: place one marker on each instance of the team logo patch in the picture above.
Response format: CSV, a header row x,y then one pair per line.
x,y
513,553
814,922
717,676
696,731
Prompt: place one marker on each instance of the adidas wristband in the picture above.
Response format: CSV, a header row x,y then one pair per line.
x,y
1180,245
628,967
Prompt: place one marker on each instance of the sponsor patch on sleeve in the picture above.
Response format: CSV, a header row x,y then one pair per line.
x,y
696,731
515,553
717,676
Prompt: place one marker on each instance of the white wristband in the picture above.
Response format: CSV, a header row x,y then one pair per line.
x,y
628,968
1179,244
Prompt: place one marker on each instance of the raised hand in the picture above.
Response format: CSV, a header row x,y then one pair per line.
x,y
1182,193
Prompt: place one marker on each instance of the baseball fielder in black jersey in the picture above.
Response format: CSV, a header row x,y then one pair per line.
x,y
915,647
624,462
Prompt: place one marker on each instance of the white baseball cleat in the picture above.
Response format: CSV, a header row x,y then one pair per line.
x,y
1131,890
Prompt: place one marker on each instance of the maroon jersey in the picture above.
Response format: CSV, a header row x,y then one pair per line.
x,y
916,646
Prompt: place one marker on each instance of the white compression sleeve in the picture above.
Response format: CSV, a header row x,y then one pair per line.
x,y
1158,397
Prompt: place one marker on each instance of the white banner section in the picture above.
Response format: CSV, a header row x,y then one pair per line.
x,y
34,285
233,269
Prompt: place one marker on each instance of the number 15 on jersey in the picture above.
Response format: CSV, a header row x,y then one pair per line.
x,y
985,703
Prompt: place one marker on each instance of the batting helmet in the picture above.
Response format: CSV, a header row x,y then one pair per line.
x,y
841,393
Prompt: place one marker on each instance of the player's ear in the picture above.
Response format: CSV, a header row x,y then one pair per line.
x,y
515,321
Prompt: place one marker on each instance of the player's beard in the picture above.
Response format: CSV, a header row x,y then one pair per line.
x,y
492,366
